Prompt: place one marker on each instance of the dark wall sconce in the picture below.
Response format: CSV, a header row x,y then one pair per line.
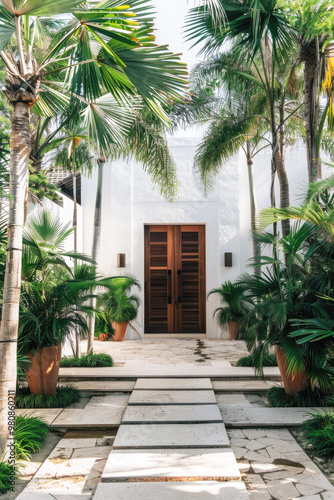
x,y
121,260
228,259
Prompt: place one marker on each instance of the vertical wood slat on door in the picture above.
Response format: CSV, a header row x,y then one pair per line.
x,y
175,295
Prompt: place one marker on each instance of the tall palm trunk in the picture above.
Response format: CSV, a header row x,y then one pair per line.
x,y
75,211
253,209
20,144
96,242
281,171
312,108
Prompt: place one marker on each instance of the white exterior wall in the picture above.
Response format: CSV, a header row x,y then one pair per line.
x,y
65,214
130,201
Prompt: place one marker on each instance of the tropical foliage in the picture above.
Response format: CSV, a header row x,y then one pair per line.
x,y
319,433
64,396
88,361
118,304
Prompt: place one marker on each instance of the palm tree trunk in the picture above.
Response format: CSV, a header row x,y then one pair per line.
x,y
75,214
75,235
253,209
20,144
281,171
96,243
311,97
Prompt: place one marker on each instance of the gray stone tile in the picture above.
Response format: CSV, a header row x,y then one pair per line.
x,y
174,383
109,401
172,414
92,417
77,443
232,400
171,397
96,386
248,386
201,490
198,464
327,495
150,436
48,415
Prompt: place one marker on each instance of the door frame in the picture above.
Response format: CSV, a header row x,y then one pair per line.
x,y
202,301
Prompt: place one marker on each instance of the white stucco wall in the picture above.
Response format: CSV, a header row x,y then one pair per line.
x,y
130,200
65,214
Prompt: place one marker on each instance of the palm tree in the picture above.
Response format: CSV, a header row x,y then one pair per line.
x,y
233,125
104,47
313,22
261,35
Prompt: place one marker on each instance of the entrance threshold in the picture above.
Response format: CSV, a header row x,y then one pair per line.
x,y
181,336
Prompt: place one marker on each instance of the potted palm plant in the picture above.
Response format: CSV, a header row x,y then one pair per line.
x,y
119,306
234,306
53,300
287,294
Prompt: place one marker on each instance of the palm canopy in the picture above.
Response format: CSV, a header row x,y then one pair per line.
x,y
249,20
106,47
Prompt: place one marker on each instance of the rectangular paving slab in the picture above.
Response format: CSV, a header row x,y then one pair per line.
x,y
196,464
150,436
48,415
189,370
196,490
169,397
173,383
90,417
248,416
171,414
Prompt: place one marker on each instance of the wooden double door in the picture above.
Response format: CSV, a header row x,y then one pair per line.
x,y
175,294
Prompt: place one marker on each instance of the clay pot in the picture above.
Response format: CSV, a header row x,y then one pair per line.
x,y
42,375
120,331
292,383
103,336
233,329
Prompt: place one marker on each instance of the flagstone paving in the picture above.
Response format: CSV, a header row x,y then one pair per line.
x,y
175,414
275,467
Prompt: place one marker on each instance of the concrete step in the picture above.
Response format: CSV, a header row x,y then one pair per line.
x,y
156,436
196,490
175,384
168,397
174,465
171,414
217,370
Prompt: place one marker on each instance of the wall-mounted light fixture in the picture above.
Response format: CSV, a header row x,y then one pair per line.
x,y
228,259
121,260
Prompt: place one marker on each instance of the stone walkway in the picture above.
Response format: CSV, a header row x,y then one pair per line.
x,y
172,443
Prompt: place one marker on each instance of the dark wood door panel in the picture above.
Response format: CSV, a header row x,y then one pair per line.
x,y
175,294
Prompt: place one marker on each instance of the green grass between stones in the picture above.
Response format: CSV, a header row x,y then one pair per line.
x,y
268,360
29,435
278,398
90,360
65,396
319,432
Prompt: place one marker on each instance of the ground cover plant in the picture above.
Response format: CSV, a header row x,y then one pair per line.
x,y
6,477
64,396
319,432
29,434
88,361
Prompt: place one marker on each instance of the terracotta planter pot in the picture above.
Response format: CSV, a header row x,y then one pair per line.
x,y
233,329
103,336
42,375
120,331
292,383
